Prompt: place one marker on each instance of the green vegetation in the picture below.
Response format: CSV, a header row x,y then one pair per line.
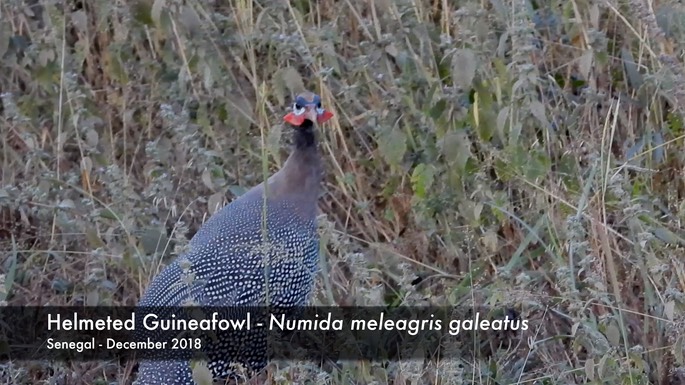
x,y
526,154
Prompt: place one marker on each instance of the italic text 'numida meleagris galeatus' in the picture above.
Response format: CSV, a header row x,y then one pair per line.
x,y
229,263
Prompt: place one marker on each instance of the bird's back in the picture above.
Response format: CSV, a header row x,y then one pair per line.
x,y
228,255
230,261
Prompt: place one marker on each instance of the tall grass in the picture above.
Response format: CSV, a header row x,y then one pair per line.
x,y
524,153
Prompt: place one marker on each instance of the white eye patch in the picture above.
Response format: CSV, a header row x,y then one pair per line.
x,y
320,110
297,110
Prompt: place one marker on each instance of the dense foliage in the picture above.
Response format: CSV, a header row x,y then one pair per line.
x,y
525,154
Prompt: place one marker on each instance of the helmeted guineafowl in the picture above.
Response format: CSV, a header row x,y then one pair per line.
x,y
228,255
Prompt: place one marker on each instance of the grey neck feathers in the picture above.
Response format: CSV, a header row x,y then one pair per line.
x,y
305,136
303,167
299,180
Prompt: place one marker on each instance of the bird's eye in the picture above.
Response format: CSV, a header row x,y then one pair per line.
x,y
298,109
319,109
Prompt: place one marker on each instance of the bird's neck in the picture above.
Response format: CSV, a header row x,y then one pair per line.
x,y
303,166
300,176
304,138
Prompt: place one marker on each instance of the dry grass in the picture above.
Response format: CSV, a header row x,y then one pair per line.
x,y
500,150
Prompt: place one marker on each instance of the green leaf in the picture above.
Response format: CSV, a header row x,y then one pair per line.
x,y
669,310
602,366
240,110
471,211
156,11
142,13
190,19
482,113
613,334
93,239
502,119
46,76
115,67
287,80
153,240
392,146
108,214
237,190
456,148
585,63
438,109
92,298
9,277
331,58
464,63
635,79
538,111
668,236
678,350
5,33
215,202
590,369
422,179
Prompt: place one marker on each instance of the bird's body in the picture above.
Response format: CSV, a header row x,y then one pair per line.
x,y
260,250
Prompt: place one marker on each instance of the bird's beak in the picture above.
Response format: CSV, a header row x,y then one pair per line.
x,y
311,114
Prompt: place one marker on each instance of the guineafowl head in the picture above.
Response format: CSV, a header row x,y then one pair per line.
x,y
306,110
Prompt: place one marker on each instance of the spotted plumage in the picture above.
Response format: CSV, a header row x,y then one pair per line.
x,y
240,257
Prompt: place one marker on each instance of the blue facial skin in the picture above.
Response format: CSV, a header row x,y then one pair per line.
x,y
301,101
315,102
